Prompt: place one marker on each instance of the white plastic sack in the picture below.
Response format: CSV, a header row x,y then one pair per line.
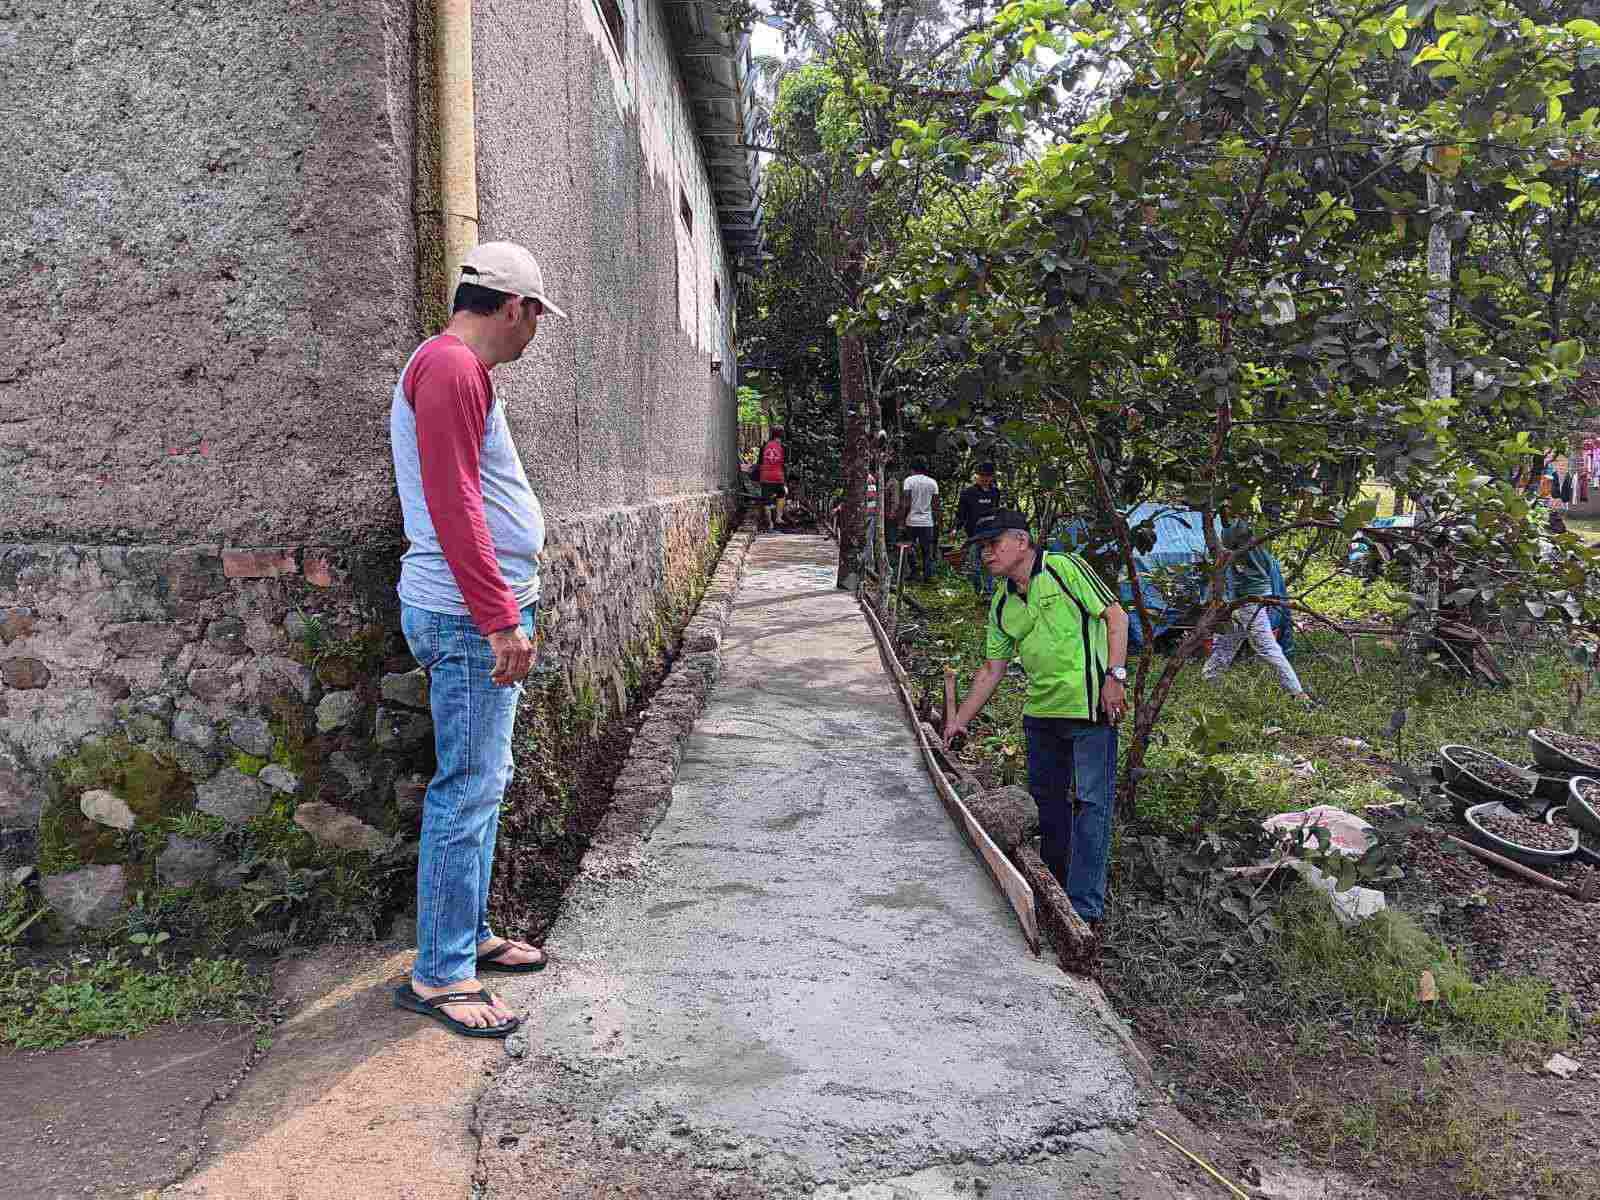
x,y
1349,906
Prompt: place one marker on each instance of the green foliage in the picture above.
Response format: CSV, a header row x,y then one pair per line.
x,y
198,826
18,914
1185,786
248,764
1346,597
42,1008
752,410
1201,291
1376,965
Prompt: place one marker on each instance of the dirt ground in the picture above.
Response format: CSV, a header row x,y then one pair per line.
x,y
1404,1117
1392,1106
113,1118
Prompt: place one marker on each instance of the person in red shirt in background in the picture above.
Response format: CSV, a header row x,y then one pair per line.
x,y
769,474
469,594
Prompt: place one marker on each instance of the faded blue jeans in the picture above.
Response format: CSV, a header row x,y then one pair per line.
x,y
982,581
472,723
1075,845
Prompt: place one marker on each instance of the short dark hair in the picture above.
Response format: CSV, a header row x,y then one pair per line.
x,y
919,464
472,298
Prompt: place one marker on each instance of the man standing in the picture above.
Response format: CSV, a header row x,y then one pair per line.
x,y
920,514
978,501
469,591
771,476
1250,574
1054,613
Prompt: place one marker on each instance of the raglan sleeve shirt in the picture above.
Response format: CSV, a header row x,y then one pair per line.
x,y
1000,645
1085,583
451,395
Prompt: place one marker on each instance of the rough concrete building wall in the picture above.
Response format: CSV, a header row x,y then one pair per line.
x,y
206,270
216,251
584,158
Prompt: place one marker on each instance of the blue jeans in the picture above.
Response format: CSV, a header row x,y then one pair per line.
x,y
1075,845
982,581
472,722
926,548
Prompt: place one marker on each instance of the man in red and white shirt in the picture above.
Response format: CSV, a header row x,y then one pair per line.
x,y
469,594
770,475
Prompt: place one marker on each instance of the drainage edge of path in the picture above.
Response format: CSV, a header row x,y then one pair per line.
x,y
1027,885
642,790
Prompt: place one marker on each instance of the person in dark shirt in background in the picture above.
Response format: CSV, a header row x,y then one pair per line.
x,y
977,501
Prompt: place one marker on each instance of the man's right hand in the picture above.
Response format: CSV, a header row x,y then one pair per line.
x,y
513,655
954,730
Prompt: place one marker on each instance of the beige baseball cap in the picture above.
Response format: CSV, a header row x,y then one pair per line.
x,y
507,267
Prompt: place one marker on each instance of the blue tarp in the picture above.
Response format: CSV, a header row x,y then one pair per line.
x,y
1179,543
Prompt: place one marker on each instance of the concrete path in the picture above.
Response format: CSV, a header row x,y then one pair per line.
x,y
804,983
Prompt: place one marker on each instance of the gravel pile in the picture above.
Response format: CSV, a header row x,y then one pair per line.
x,y
1504,924
1524,831
1494,771
1576,748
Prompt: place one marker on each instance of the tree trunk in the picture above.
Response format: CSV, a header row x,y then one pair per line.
x,y
853,462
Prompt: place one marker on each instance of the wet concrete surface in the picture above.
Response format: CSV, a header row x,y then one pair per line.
x,y
804,980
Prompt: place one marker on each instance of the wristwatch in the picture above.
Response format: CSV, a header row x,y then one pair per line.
x,y
1120,674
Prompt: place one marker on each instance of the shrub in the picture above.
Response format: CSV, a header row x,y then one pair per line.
x,y
1184,785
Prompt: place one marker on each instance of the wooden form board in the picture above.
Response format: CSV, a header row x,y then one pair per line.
x,y
1006,877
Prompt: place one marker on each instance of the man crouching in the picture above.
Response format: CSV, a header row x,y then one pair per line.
x,y
1053,613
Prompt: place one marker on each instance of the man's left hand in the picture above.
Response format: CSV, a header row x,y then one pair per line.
x,y
1113,699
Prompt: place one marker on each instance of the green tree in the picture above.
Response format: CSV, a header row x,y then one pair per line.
x,y
1208,290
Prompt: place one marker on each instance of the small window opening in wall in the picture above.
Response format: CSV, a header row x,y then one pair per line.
x,y
685,211
716,293
611,11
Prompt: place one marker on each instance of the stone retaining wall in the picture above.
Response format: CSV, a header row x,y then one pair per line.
x,y
156,697
642,792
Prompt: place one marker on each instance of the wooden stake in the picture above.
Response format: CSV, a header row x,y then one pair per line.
x,y
1516,868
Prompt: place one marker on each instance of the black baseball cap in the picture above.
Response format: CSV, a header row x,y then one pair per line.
x,y
992,526
986,468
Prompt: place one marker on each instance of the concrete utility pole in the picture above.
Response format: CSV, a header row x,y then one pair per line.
x,y
458,137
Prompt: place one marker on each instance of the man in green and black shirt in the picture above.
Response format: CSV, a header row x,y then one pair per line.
x,y
1053,613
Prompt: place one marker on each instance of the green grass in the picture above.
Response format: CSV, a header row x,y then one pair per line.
x,y
1375,968
106,995
1586,527
110,997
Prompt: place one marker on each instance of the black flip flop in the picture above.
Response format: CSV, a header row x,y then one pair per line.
x,y
491,961
405,997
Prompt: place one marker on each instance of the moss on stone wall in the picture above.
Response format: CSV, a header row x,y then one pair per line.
x,y
153,784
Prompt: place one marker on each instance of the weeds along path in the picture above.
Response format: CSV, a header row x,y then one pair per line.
x,y
801,979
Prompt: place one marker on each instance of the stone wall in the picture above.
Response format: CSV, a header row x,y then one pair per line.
x,y
155,697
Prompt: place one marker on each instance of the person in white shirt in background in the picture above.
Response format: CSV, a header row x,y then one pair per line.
x,y
920,513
